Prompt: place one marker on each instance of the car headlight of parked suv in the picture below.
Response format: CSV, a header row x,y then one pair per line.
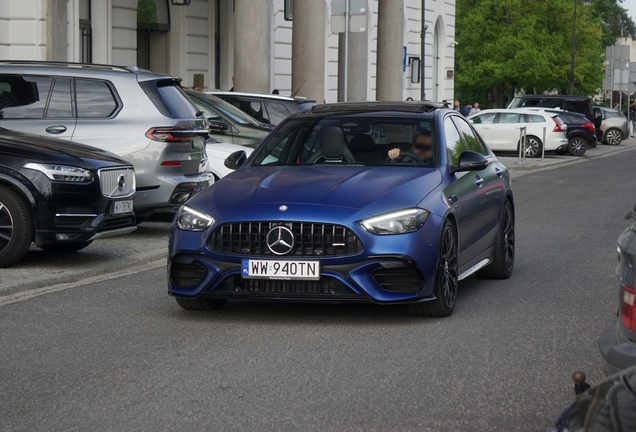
x,y
189,219
62,172
399,222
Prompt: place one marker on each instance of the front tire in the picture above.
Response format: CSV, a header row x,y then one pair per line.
x,y
69,247
201,304
577,146
16,227
446,278
504,260
613,137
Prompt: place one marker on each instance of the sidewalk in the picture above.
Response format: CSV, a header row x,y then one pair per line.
x,y
147,247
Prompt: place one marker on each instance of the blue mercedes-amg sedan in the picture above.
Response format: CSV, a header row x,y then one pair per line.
x,y
391,203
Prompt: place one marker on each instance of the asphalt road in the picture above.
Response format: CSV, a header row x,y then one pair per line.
x,y
119,354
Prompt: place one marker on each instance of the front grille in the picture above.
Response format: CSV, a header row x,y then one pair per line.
x,y
112,180
115,223
402,279
186,275
310,239
71,221
325,286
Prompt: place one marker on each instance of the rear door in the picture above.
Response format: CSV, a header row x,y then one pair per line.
x,y
41,105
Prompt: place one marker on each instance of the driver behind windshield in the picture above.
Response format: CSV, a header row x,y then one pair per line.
x,y
422,147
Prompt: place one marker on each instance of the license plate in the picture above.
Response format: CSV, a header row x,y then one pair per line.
x,y
282,270
122,207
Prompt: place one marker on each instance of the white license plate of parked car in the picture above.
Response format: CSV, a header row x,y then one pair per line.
x,y
284,270
123,207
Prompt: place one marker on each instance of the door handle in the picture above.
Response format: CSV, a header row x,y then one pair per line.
x,y
479,181
55,130
498,172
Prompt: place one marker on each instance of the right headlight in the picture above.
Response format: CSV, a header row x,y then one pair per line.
x,y
189,219
398,222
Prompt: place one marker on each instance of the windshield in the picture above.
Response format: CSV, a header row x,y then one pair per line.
x,y
347,140
210,104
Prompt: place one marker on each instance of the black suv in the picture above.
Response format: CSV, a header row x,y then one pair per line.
x,y
581,133
60,195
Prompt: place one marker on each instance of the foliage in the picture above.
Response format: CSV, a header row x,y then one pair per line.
x,y
509,45
614,20
147,11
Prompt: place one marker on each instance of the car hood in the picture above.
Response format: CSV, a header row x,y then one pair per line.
x,y
52,150
374,190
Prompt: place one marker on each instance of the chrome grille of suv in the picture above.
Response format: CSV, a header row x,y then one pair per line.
x,y
109,181
310,239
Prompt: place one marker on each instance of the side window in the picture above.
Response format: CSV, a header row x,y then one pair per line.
x,y
277,112
94,99
454,144
60,103
23,97
472,142
485,118
509,118
531,118
552,103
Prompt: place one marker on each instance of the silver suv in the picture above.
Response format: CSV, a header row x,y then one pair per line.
x,y
140,115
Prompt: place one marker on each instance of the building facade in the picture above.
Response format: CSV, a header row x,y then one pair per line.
x,y
247,45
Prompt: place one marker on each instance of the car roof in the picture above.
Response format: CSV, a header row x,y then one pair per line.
x,y
565,97
83,69
369,107
262,96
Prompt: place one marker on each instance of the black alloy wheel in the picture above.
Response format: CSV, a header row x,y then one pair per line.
x,y
16,227
504,260
613,137
577,146
446,278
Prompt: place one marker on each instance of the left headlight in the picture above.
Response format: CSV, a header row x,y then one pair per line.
x,y
189,219
62,172
399,222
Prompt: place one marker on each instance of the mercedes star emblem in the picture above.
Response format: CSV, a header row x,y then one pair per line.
x,y
280,240
283,208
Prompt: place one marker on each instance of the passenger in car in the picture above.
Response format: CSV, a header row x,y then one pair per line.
x,y
422,147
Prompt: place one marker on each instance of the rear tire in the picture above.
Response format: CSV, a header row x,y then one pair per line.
x,y
69,247
201,304
446,278
533,146
16,227
577,146
504,260
613,137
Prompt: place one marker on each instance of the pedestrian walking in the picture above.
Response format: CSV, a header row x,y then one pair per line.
x,y
466,110
475,109
457,107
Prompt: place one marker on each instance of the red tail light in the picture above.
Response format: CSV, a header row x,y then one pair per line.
x,y
168,134
557,128
588,126
628,313
171,163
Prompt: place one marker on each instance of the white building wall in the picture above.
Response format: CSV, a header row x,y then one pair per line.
x,y
124,32
23,30
282,50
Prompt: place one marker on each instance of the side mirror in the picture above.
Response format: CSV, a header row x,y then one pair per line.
x,y
217,125
470,161
235,160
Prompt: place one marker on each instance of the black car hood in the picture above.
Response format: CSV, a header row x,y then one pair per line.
x,y
52,150
372,189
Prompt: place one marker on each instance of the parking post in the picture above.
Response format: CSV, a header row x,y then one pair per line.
x,y
543,146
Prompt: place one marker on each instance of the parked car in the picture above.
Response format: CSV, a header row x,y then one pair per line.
x,y
217,153
228,123
579,131
139,115
579,104
500,129
60,195
617,342
609,406
614,126
388,203
267,108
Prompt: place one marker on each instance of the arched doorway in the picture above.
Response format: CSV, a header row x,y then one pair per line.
x,y
438,60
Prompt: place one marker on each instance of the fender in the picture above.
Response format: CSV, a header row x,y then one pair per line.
x,y
23,189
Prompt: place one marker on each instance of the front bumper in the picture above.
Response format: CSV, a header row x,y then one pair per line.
x,y
616,356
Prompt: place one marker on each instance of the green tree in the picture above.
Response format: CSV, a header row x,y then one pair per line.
x,y
509,45
614,20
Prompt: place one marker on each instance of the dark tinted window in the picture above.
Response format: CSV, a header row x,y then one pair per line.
x,y
277,112
471,140
94,99
60,103
23,97
582,106
168,97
